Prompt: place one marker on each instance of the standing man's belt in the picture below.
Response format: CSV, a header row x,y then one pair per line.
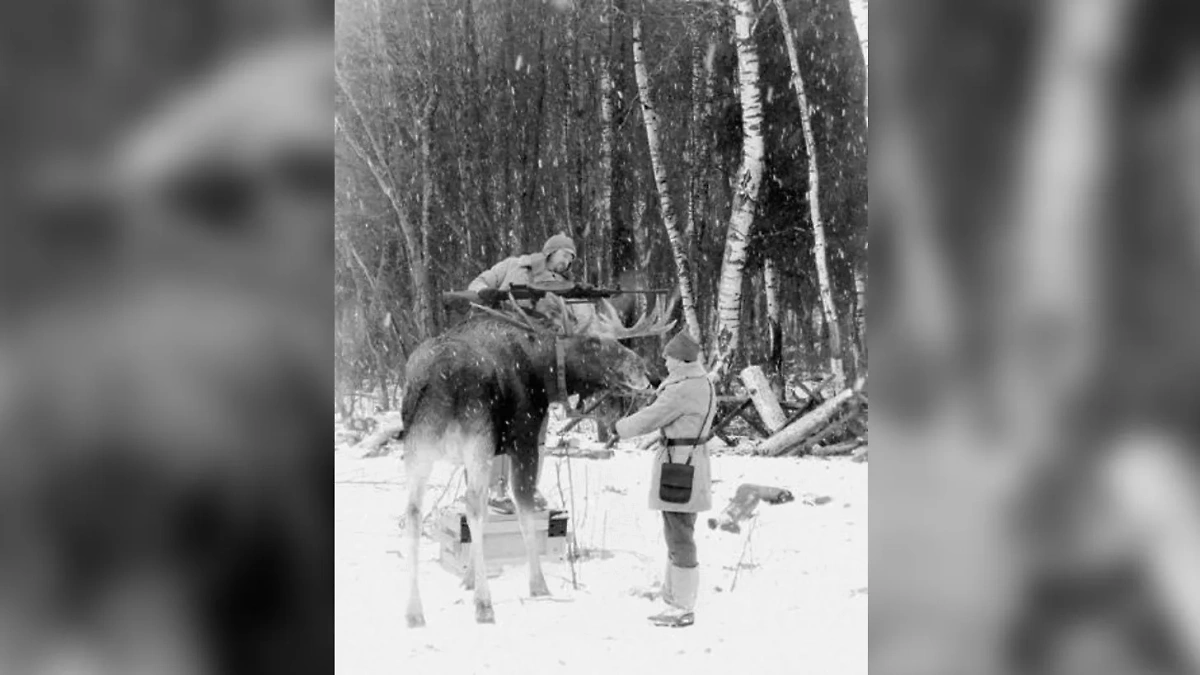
x,y
683,441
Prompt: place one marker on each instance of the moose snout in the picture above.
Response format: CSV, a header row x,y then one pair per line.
x,y
637,380
641,382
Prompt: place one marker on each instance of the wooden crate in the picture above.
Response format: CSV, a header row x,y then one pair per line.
x,y
502,542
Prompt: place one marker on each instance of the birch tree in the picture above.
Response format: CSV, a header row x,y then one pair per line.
x,y
820,247
746,189
679,246
606,157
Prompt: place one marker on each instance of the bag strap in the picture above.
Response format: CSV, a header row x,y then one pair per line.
x,y
712,399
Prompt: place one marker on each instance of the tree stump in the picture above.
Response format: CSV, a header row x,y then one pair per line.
x,y
765,401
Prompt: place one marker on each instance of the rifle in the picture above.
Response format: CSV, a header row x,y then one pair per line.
x,y
569,291
577,292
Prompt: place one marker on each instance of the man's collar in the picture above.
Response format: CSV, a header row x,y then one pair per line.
x,y
684,371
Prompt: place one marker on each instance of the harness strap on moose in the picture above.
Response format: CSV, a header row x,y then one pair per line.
x,y
560,362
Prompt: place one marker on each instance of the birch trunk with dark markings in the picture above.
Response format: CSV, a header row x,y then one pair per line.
x,y
745,192
774,327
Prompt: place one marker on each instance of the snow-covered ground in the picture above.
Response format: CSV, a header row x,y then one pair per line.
x,y
799,604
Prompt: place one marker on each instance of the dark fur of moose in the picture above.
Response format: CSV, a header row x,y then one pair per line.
x,y
482,389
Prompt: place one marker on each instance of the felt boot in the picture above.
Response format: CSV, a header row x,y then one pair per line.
x,y
680,588
665,589
674,617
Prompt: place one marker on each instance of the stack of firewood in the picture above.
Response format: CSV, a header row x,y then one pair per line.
x,y
826,427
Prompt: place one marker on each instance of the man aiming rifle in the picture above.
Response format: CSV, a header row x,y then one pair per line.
x,y
527,279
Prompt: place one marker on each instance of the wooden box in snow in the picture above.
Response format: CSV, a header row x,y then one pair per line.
x,y
502,542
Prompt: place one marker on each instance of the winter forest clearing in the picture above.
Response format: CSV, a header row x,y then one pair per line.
x,y
790,588
655,214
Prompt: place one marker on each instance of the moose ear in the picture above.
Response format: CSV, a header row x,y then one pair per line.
x,y
546,307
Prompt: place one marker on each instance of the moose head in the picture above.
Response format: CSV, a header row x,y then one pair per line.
x,y
589,338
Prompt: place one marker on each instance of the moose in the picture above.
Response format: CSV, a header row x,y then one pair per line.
x,y
484,388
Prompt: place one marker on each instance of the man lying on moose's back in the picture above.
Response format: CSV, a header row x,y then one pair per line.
x,y
681,477
552,264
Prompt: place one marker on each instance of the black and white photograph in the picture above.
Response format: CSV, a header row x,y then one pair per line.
x,y
600,277
601,300
166,252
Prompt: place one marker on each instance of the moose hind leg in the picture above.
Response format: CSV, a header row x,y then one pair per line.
x,y
468,580
417,467
478,460
524,483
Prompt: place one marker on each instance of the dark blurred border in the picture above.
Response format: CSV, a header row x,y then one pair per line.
x,y
1033,328
165,503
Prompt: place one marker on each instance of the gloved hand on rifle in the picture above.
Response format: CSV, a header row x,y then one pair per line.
x,y
490,296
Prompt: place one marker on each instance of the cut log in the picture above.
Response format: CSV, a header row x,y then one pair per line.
x,y
839,427
765,401
724,421
742,505
375,444
800,430
836,449
860,455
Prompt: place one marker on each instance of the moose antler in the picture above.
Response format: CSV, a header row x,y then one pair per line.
x,y
607,323
602,320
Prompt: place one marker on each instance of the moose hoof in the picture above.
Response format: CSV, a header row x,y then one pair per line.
x,y
484,614
468,583
415,621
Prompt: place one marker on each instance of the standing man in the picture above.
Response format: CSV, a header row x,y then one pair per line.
x,y
552,264
683,413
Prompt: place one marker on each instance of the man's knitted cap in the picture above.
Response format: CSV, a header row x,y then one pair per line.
x,y
558,242
682,347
